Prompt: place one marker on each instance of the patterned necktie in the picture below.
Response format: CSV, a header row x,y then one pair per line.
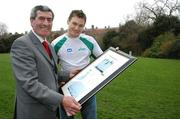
x,y
46,47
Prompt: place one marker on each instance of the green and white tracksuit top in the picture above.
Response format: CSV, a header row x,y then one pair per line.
x,y
75,53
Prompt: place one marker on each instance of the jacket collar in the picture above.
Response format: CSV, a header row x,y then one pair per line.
x,y
40,47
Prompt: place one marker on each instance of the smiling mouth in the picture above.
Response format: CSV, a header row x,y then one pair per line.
x,y
76,32
45,29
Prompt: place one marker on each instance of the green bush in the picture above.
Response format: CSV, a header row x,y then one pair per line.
x,y
161,46
175,50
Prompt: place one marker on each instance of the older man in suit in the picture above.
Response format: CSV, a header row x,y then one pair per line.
x,y
34,65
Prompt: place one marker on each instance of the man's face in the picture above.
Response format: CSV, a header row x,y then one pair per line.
x,y
42,24
75,26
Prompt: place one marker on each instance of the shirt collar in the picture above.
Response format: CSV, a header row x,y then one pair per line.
x,y
72,37
39,37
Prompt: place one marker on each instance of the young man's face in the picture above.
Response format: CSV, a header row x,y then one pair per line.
x,y
75,26
42,24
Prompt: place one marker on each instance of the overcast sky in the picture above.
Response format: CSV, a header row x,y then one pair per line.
x,y
15,13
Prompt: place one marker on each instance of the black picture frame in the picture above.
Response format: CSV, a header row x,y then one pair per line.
x,y
98,74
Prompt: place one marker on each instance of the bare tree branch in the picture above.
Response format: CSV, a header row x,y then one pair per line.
x,y
3,29
149,12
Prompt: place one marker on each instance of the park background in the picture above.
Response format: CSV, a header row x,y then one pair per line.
x,y
149,89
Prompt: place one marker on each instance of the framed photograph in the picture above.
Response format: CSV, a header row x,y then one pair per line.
x,y
97,74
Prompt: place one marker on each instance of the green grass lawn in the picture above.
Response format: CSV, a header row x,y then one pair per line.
x,y
7,86
149,89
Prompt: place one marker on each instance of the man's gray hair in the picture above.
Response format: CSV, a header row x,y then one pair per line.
x,y
40,8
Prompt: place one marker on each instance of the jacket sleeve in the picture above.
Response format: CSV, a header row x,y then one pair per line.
x,y
63,76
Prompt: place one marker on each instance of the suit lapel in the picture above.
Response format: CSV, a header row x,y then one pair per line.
x,y
54,57
39,46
